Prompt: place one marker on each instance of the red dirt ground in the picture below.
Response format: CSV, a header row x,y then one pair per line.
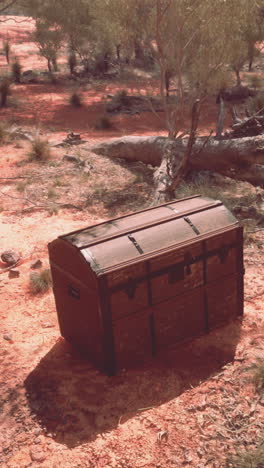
x,y
191,407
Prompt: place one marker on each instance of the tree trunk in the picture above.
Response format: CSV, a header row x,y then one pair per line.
x,y
238,78
220,120
118,49
239,158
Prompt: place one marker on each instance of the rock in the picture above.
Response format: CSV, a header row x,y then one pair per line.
x,y
13,274
10,257
69,158
36,264
7,337
37,454
47,325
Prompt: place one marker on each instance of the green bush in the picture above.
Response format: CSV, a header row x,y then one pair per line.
x,y
40,150
75,100
16,71
40,282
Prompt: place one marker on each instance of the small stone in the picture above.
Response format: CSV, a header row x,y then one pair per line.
x,y
69,158
37,440
36,264
37,454
47,325
13,274
7,337
10,257
37,431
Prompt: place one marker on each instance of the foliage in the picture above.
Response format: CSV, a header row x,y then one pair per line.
x,y
49,41
16,70
40,282
5,90
7,49
75,100
40,150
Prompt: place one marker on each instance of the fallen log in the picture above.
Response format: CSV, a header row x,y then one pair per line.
x,y
240,158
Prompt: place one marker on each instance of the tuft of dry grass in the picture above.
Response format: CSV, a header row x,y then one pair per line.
x,y
103,123
40,150
75,100
258,375
40,282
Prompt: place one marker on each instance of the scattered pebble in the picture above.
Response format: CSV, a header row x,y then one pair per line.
x,y
37,454
10,257
47,325
7,337
13,274
36,264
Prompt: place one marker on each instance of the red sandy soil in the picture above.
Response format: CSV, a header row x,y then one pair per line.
x,y
191,407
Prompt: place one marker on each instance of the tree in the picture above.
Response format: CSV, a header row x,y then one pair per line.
x,y
197,40
49,42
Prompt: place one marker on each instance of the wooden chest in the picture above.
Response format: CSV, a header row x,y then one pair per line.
x,y
129,287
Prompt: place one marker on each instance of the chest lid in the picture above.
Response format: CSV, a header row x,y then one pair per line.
x,y
129,238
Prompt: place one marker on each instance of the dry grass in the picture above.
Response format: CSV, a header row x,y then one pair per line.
x,y
248,459
40,282
40,150
103,123
75,100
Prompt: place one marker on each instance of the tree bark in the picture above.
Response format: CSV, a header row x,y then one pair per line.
x,y
239,158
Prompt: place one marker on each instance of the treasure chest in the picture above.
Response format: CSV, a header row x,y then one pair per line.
x,y
127,288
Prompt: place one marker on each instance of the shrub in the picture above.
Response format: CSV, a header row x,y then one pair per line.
x,y
16,71
7,48
258,374
256,104
121,96
40,150
75,100
5,90
3,133
40,282
256,81
103,123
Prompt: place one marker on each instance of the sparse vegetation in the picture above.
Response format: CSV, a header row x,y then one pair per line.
x,y
7,49
103,123
3,134
258,377
16,70
75,100
52,193
40,150
248,459
21,186
5,90
40,282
